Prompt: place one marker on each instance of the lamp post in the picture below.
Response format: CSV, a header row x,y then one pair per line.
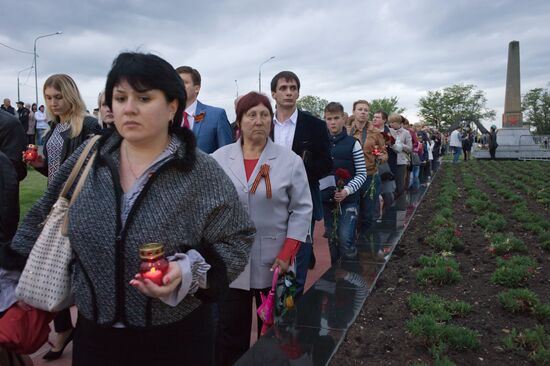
x,y
35,67
260,73
19,73
236,89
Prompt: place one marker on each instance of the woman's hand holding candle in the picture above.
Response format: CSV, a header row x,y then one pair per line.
x,y
146,285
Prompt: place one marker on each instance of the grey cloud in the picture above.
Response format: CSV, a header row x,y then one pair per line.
x,y
342,50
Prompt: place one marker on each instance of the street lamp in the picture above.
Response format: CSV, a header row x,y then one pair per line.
x,y
35,67
260,73
19,73
236,89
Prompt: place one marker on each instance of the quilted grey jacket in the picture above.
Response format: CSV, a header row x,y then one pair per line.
x,y
188,203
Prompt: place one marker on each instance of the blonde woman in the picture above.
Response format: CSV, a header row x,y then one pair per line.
x,y
69,125
69,128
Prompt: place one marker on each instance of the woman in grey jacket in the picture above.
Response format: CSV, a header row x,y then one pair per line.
x,y
148,184
272,185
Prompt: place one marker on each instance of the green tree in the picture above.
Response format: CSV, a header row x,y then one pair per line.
x,y
312,104
388,105
536,109
443,108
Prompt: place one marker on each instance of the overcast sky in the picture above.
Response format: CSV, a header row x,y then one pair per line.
x,y
341,50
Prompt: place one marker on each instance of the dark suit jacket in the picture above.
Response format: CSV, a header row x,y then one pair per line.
x,y
13,141
12,170
312,144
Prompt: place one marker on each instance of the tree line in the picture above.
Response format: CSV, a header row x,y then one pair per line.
x,y
460,102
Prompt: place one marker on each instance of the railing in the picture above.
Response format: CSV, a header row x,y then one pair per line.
x,y
534,147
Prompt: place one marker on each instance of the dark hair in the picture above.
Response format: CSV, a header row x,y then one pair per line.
x,y
146,72
287,76
334,107
384,114
195,75
34,105
250,100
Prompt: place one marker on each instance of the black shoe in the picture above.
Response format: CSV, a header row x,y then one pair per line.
x,y
312,261
54,355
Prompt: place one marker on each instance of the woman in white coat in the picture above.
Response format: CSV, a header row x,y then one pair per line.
x,y
272,185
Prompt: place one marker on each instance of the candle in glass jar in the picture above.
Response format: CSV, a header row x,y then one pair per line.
x,y
31,154
153,263
154,275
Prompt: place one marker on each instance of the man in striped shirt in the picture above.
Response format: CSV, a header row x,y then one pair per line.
x,y
341,203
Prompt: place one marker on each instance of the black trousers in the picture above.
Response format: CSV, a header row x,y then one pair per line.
x,y
235,325
187,342
492,152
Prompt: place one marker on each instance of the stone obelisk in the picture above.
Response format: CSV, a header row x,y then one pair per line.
x,y
512,116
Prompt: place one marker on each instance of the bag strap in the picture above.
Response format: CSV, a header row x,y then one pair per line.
x,y
275,278
78,166
81,181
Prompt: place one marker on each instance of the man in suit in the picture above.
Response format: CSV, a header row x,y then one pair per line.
x,y
209,124
308,137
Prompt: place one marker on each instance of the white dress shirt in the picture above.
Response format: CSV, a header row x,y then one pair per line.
x,y
283,133
191,114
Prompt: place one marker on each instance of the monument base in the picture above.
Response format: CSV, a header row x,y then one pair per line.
x,y
514,143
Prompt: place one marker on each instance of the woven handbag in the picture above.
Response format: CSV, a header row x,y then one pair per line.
x,y
45,282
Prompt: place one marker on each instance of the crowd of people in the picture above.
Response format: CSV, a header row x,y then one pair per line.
x,y
231,203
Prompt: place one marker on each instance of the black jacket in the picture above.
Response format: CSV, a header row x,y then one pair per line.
x,y
9,199
90,127
13,141
10,109
23,115
12,170
312,144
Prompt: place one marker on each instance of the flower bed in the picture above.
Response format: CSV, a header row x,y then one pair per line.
x,y
477,243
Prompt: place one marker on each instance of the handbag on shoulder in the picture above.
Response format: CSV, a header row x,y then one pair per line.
x,y
45,282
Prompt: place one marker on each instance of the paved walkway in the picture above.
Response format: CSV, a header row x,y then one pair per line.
x,y
311,334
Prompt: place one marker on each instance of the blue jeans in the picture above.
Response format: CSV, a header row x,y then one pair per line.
x,y
456,153
40,133
414,180
367,204
344,242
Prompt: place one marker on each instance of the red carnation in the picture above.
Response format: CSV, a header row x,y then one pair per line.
x,y
458,233
376,151
342,173
449,269
390,140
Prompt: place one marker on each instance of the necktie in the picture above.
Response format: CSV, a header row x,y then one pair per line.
x,y
185,120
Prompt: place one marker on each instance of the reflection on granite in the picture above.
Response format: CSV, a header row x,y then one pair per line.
x,y
311,333
286,345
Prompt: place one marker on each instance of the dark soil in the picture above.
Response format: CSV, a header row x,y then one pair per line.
x,y
379,337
